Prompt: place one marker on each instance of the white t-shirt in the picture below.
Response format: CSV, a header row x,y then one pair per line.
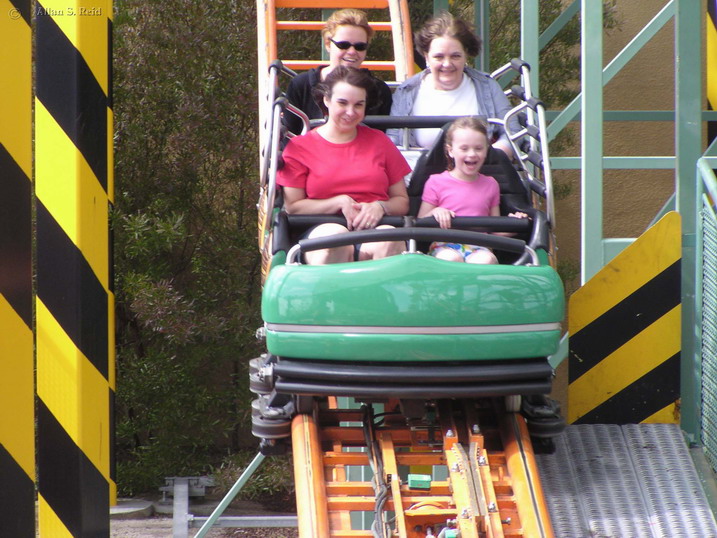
x,y
432,102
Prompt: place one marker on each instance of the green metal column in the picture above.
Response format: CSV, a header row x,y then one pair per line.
x,y
482,26
529,40
688,146
440,5
591,229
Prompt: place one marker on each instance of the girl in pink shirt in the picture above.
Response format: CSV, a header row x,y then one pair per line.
x,y
462,191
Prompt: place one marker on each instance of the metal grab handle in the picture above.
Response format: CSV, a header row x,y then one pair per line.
x,y
508,244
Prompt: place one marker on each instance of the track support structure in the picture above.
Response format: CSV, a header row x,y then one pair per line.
x,y
483,479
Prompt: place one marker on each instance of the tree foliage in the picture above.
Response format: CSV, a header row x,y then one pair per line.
x,y
185,226
187,272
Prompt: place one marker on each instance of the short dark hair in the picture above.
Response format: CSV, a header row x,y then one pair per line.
x,y
466,122
352,76
445,25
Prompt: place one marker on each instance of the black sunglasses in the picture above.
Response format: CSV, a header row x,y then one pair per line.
x,y
345,45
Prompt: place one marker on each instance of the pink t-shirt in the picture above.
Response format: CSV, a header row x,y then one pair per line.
x,y
465,198
364,168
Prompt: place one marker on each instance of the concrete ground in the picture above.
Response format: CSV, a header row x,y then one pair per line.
x,y
138,518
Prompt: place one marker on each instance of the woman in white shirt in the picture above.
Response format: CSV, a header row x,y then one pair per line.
x,y
448,86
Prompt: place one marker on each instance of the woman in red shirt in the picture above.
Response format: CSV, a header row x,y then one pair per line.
x,y
345,168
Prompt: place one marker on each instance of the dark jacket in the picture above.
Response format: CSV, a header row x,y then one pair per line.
x,y
300,94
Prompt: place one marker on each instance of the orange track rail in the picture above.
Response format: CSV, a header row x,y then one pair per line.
x,y
492,489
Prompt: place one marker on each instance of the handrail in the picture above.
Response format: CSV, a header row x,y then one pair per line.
x,y
535,110
273,166
508,244
709,180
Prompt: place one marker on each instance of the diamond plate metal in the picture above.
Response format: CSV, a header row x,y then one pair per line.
x,y
636,480
709,334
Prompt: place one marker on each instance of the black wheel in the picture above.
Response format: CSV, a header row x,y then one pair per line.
x,y
543,445
265,428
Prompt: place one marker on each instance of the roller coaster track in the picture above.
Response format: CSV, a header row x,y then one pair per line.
x,y
491,488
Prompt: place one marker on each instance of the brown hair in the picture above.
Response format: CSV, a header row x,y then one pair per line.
x,y
467,122
445,25
350,75
346,17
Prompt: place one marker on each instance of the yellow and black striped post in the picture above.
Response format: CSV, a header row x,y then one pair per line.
x,y
624,361
74,301
711,70
17,385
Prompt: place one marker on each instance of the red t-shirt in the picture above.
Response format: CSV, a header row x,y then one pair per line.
x,y
364,168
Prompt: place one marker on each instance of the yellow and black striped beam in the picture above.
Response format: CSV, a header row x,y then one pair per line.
x,y
711,69
624,359
74,302
17,383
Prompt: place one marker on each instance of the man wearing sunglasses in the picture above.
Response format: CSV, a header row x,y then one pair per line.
x,y
346,35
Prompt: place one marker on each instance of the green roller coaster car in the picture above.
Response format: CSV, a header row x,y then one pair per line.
x,y
412,327
412,308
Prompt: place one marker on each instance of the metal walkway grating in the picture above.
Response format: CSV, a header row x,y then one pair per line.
x,y
709,333
636,480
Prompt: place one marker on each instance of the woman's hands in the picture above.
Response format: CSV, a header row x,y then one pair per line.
x,y
363,216
359,215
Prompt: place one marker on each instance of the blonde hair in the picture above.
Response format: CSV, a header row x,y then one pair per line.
x,y
346,17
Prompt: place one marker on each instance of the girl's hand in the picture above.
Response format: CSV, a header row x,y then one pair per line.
x,y
518,215
443,216
368,216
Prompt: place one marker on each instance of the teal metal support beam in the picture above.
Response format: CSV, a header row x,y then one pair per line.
x,y
626,54
639,115
558,24
482,26
639,41
668,206
614,246
562,353
688,145
591,220
229,497
529,38
618,163
440,5
325,14
712,149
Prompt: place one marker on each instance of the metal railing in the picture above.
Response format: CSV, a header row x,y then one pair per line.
x,y
706,302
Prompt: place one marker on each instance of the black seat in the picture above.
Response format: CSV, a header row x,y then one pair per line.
x,y
432,161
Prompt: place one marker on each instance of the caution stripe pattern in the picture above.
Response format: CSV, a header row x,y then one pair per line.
x,y
74,304
17,417
711,64
624,359
711,56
